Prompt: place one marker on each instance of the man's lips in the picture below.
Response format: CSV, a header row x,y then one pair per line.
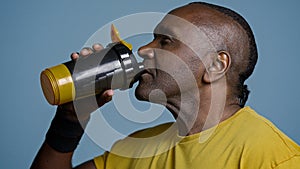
x,y
146,71
142,76
146,74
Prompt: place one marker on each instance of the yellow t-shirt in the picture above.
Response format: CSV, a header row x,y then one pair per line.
x,y
244,141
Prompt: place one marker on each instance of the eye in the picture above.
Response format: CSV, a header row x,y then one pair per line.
x,y
165,40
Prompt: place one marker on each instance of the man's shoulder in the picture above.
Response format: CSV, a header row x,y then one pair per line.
x,y
257,127
261,139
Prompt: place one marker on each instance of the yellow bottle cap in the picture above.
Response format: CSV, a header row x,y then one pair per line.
x,y
57,85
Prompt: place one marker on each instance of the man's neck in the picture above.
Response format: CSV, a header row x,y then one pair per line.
x,y
193,116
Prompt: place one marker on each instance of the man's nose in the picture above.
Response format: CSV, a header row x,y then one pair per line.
x,y
146,52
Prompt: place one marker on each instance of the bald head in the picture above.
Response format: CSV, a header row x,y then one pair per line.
x,y
227,31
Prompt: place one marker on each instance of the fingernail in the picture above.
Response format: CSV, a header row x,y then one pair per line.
x,y
74,55
110,93
84,52
97,46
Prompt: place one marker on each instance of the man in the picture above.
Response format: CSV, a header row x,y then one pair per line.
x,y
195,66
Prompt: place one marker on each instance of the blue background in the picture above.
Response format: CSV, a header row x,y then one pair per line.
x,y
37,34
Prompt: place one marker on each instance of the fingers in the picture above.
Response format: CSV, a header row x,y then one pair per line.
x,y
97,47
86,51
74,55
105,97
85,106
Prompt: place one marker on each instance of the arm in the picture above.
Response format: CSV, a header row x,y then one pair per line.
x,y
47,157
65,131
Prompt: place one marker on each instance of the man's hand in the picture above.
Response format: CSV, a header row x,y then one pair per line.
x,y
68,125
48,157
85,106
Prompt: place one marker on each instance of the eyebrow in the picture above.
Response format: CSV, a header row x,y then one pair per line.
x,y
163,30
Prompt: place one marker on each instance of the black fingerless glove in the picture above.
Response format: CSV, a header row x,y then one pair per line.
x,y
64,133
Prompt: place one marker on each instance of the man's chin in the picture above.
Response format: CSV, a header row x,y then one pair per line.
x,y
141,94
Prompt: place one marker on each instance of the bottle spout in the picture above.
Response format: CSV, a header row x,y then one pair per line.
x,y
139,72
141,66
115,37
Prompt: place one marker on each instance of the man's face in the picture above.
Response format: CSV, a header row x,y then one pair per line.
x,y
172,60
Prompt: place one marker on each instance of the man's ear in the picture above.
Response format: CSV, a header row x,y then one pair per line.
x,y
217,67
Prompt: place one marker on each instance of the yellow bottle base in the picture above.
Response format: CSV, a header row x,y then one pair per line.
x,y
57,85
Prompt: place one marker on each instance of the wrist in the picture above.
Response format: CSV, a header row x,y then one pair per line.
x,y
65,133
